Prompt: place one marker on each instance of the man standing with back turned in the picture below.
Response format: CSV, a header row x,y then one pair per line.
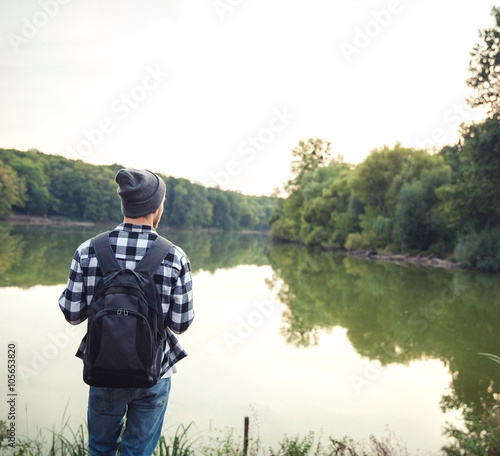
x,y
142,196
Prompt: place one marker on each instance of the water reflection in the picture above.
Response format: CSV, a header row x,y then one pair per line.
x,y
395,313
40,255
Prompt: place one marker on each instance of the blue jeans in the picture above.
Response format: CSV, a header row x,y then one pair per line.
x,y
141,410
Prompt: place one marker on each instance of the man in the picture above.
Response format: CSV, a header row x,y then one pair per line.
x,y
142,196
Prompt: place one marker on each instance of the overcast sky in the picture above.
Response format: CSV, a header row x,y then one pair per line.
x,y
221,91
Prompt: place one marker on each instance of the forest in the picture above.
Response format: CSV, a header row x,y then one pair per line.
x,y
400,200
37,184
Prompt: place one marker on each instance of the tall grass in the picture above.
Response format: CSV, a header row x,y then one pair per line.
x,y
180,444
53,444
186,441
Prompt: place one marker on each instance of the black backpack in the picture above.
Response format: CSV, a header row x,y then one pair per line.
x,y
125,334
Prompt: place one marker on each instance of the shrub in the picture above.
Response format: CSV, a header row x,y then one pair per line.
x,y
480,250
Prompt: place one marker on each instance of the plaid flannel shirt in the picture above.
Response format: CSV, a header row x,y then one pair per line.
x,y
173,280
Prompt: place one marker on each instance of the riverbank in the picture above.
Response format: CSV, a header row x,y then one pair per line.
x,y
420,260
37,220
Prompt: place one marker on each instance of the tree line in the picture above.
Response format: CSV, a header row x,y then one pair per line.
x,y
406,200
38,184
400,200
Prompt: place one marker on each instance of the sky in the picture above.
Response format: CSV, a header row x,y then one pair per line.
x,y
220,91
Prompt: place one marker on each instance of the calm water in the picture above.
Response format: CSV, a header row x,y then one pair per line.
x,y
298,341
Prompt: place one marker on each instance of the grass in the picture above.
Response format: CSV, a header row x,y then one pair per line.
x,y
186,441
53,444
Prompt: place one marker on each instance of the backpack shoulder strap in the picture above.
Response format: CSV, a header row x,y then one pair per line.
x,y
105,256
154,256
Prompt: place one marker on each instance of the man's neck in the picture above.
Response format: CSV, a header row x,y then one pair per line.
x,y
146,220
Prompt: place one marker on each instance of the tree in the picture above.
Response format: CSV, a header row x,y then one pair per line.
x,y
12,189
221,210
191,208
379,178
377,182
30,167
418,223
325,206
285,221
40,184
485,68
472,200
307,156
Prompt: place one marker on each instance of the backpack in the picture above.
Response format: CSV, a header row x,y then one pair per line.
x,y
125,334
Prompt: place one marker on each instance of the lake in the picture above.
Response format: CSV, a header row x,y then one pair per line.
x,y
296,340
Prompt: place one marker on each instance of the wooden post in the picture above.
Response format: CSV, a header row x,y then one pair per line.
x,y
245,437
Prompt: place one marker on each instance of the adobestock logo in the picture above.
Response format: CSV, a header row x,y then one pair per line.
x,y
30,27
371,372
363,36
222,7
246,327
122,106
250,147
452,118
42,357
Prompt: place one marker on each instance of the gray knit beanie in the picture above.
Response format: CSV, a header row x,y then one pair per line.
x,y
141,191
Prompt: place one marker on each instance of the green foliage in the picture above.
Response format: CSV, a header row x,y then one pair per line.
x,y
418,221
286,220
295,446
307,156
317,210
387,202
480,250
188,206
375,231
472,200
378,179
38,184
57,444
182,443
484,68
481,436
33,172
326,216
402,200
12,190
